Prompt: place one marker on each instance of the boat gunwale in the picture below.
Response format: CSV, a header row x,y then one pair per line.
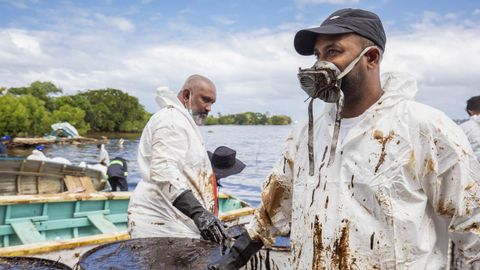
x,y
64,197
46,247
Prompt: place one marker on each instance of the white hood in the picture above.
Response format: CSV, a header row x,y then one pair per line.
x,y
475,118
166,97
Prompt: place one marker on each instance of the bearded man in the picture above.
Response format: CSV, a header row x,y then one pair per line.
x,y
177,194
376,180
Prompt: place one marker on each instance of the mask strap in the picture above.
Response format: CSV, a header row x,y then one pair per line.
x,y
336,130
353,63
190,102
311,157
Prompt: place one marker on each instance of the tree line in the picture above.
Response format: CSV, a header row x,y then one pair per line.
x,y
31,110
248,118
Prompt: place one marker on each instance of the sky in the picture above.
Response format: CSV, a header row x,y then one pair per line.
x,y
244,47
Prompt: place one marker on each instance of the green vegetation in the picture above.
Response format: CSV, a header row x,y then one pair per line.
x,y
248,118
29,111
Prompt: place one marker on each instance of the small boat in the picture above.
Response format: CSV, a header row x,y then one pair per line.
x,y
23,176
61,226
233,210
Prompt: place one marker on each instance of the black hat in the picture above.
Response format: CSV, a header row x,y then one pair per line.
x,y
224,162
343,21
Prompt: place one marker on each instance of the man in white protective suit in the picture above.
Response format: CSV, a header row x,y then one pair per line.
x,y
472,126
177,194
375,180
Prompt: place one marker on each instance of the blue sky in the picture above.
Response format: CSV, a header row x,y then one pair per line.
x,y
245,47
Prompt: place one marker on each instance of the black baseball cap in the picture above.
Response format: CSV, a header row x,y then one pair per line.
x,y
364,23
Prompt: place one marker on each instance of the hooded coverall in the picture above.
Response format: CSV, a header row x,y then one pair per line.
x,y
472,130
172,159
403,181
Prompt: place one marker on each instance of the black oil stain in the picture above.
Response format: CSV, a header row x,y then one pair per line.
x,y
372,240
317,261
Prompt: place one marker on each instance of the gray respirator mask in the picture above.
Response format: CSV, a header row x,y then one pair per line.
x,y
323,80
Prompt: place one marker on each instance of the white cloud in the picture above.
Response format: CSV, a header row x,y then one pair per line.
x,y
445,61
253,71
26,43
120,23
476,11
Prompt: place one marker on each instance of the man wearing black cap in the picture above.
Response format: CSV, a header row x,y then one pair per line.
x,y
376,180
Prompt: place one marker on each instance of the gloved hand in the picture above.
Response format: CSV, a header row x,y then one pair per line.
x,y
239,255
210,227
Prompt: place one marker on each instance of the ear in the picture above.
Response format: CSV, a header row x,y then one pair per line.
x,y
185,94
373,58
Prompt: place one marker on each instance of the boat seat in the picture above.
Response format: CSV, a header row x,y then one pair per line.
x,y
27,232
102,224
79,184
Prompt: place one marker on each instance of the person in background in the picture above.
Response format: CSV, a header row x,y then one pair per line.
x,y
472,126
37,153
177,194
120,143
103,157
3,146
225,163
374,181
117,174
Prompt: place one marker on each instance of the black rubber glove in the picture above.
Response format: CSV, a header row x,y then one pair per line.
x,y
240,253
210,227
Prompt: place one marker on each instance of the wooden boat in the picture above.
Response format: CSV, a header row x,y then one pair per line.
x,y
22,177
61,226
28,142
64,226
233,210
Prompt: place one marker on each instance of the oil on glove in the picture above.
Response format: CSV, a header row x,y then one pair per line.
x,y
210,227
239,255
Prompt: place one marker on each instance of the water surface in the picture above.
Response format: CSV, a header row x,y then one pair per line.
x,y
257,146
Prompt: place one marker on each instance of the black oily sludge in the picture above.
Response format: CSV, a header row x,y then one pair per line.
x,y
21,263
152,253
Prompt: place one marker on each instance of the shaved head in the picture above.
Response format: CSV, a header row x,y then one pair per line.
x,y
194,82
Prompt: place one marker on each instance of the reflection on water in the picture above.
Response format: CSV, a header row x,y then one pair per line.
x,y
257,146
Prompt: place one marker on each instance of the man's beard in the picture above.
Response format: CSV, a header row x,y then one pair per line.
x,y
199,118
352,83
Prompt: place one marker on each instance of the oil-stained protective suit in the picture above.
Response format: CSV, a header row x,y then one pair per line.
x,y
403,181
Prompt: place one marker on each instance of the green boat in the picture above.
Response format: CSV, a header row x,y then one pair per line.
x,y
63,226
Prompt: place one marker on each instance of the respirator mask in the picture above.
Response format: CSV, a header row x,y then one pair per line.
x,y
323,80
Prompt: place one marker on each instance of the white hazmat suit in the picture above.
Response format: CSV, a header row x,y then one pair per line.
x,y
472,130
172,159
404,179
